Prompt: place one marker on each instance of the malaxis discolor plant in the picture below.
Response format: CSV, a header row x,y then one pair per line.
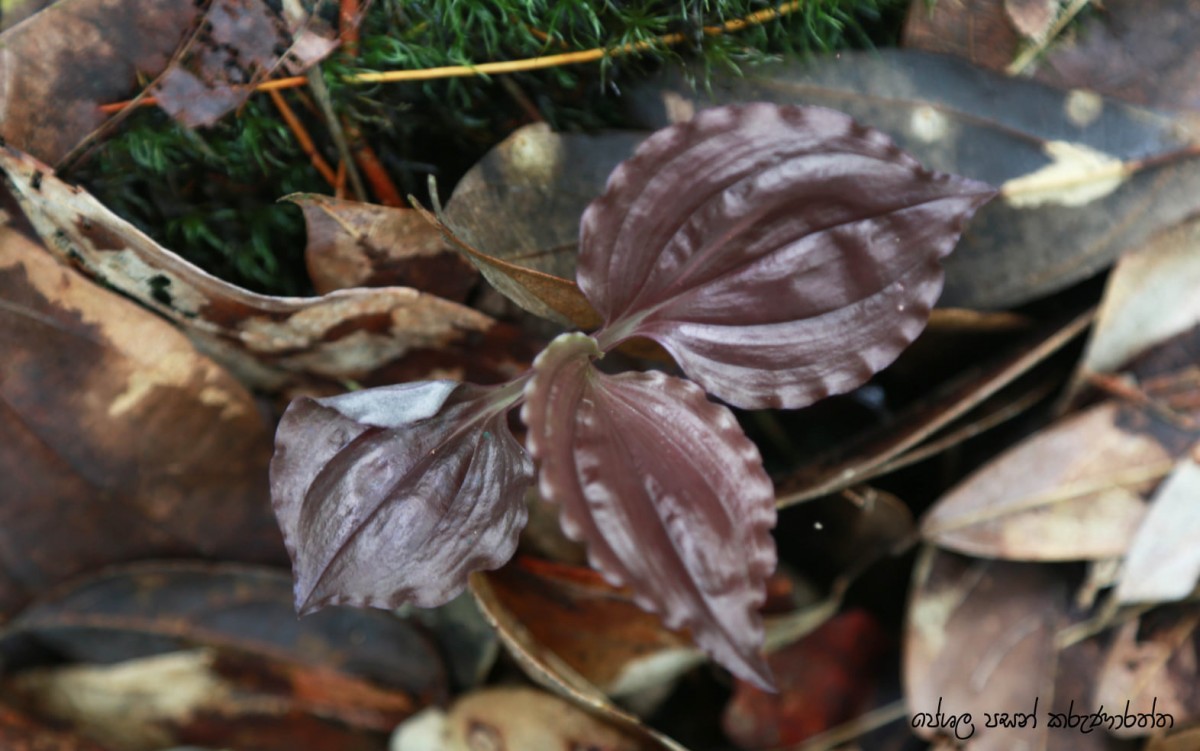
x,y
778,253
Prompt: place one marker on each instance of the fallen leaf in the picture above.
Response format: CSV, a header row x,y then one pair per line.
x,y
1163,562
353,244
121,440
20,732
550,671
979,640
1150,297
972,122
923,424
593,627
199,697
1150,673
824,679
514,718
235,45
59,66
520,207
362,335
133,611
1032,18
1073,491
978,31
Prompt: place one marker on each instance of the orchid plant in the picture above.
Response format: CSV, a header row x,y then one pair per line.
x,y
778,253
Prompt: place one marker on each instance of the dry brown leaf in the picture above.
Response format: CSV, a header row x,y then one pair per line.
x,y
207,697
1150,297
980,641
236,44
121,441
979,31
1073,491
1163,562
20,732
353,244
1150,670
551,671
592,626
56,69
1032,18
391,333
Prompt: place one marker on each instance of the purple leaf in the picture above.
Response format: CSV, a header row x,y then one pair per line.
x,y
396,494
667,492
779,253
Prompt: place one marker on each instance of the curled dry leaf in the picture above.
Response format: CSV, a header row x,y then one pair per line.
x,y
120,440
758,268
666,490
980,639
592,626
353,244
1082,178
396,494
979,31
58,67
550,671
1150,670
269,342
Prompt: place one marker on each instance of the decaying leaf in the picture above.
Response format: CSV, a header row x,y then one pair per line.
x,y
979,641
353,244
978,31
664,488
592,626
120,440
960,119
925,423
236,44
1151,297
200,696
1150,672
1163,562
269,342
1033,18
514,719
58,67
134,611
19,731
547,669
1073,491
520,205
825,679
756,277
395,494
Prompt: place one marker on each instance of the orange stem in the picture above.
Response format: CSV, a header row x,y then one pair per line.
x,y
302,137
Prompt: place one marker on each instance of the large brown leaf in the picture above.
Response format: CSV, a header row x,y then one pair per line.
x,y
269,342
121,441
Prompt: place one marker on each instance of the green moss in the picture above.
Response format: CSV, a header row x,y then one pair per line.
x,y
211,194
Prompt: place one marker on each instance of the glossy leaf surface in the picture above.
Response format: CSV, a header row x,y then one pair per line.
x,y
801,258
666,490
396,494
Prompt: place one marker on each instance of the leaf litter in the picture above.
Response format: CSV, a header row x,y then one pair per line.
x,y
988,633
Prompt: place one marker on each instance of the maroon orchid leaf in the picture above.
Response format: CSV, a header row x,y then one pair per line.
x,y
667,492
396,494
779,253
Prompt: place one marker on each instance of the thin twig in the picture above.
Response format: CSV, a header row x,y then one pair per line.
x,y
516,66
302,138
325,104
